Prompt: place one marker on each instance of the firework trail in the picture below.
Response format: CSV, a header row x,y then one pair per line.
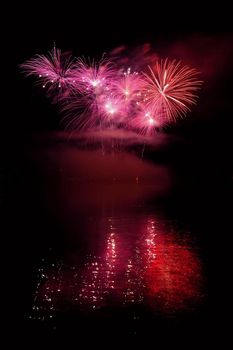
x,y
102,94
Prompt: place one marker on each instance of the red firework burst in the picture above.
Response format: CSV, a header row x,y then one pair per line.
x,y
170,90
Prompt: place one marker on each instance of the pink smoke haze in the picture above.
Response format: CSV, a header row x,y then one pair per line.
x,y
110,93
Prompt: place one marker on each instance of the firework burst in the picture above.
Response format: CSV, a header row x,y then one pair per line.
x,y
102,94
170,90
55,72
128,86
95,77
93,101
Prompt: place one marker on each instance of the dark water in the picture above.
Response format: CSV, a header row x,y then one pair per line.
x,y
113,244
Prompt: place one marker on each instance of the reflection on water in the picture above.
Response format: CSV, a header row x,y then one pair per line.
x,y
137,260
118,250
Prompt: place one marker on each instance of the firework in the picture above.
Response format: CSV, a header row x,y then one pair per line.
x,y
93,104
170,90
95,76
145,122
102,94
129,86
55,72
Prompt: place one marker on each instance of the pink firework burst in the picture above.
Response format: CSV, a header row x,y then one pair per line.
x,y
55,72
170,90
95,104
129,85
95,77
144,122
112,109
100,94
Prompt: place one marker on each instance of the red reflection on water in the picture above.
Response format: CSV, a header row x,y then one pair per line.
x,y
174,276
151,265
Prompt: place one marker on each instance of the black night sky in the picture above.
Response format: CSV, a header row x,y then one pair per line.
x,y
199,151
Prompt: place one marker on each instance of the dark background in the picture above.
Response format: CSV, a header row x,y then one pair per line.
x,y
203,162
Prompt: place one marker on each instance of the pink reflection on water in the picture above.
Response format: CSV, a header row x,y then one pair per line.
x,y
149,264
